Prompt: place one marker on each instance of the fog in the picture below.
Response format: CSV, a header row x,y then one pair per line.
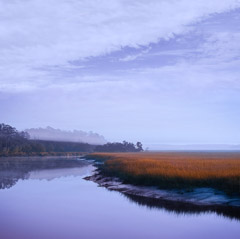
x,y
50,133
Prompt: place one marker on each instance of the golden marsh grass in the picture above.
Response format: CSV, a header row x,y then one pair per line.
x,y
176,169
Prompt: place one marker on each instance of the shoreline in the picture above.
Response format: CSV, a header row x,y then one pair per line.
x,y
44,154
180,201
183,171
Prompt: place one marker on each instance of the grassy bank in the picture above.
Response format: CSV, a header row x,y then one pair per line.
x,y
219,170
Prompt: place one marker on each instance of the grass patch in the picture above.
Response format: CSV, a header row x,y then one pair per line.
x,y
174,170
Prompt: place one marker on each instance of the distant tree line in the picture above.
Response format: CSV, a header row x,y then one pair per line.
x,y
119,147
14,142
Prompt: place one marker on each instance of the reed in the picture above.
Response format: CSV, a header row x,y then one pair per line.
x,y
175,169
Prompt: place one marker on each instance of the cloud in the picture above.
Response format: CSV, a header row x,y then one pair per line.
x,y
36,34
134,56
222,46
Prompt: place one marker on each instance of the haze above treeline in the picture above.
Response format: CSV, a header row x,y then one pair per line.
x,y
79,136
19,143
52,134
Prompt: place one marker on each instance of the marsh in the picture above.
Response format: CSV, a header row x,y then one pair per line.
x,y
49,198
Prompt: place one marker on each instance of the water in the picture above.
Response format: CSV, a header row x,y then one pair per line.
x,y
48,200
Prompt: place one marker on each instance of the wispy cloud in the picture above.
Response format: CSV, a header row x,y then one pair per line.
x,y
134,56
36,33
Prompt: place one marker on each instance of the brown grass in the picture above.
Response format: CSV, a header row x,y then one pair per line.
x,y
176,169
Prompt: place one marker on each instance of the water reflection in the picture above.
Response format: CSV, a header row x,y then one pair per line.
x,y
48,168
14,169
178,207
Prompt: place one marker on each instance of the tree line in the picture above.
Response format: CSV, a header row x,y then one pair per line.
x,y
119,147
14,142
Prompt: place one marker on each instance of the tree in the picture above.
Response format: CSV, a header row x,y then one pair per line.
x,y
139,146
10,139
119,147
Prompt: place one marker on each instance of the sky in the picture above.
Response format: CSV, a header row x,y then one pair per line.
x,y
155,71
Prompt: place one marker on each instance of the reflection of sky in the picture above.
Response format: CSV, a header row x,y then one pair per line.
x,y
70,207
158,73
50,174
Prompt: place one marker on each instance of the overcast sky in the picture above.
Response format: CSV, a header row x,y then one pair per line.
x,y
158,71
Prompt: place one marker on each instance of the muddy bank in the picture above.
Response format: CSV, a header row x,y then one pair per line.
x,y
198,200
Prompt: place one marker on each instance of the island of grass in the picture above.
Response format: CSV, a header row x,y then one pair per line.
x,y
174,170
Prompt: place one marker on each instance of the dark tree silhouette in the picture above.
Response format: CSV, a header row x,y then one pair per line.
x,y
139,146
119,147
10,139
13,142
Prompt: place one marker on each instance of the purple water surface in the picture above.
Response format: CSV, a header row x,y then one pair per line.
x,y
59,203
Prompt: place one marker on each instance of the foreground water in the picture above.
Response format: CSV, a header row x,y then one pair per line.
x,y
52,200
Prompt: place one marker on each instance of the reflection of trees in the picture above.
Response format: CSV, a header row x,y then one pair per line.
x,y
185,208
10,178
13,169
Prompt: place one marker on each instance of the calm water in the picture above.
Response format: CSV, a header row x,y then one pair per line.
x,y
54,201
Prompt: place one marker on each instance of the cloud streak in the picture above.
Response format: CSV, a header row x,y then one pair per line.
x,y
35,34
